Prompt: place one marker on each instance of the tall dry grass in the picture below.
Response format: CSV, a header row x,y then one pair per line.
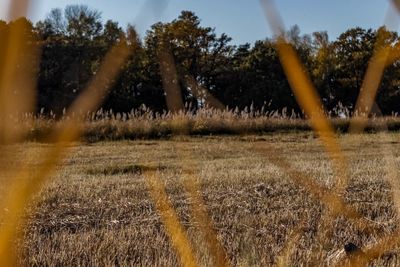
x,y
146,124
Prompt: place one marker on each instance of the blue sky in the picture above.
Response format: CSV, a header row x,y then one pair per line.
x,y
243,20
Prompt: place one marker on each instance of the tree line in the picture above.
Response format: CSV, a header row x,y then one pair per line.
x,y
73,42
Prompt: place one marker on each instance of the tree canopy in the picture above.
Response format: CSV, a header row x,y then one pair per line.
x,y
200,64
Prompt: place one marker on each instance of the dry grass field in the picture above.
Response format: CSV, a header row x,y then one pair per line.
x,y
97,211
248,188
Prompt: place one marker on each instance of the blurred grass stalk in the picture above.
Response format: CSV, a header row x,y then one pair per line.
x,y
308,99
173,227
11,48
306,95
383,55
25,183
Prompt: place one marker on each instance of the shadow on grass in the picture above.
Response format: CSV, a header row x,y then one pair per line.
x,y
124,169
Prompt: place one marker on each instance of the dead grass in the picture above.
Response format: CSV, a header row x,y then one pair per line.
x,y
145,124
98,211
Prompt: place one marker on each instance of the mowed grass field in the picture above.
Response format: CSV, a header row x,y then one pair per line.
x,y
97,211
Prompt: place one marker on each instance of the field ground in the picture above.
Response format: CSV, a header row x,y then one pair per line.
x,y
98,210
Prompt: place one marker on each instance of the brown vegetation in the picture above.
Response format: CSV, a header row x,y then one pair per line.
x,y
99,211
144,124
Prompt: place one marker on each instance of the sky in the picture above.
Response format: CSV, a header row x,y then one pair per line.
x,y
243,20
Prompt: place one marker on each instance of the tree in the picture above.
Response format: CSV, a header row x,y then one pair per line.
x,y
112,33
83,23
137,84
196,50
353,50
388,95
267,84
201,66
72,52
323,69
19,71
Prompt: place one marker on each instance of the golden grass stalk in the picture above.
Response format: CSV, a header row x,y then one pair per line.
x,y
332,201
201,93
175,231
26,185
170,79
307,96
370,85
386,243
94,94
200,214
309,100
14,43
382,57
